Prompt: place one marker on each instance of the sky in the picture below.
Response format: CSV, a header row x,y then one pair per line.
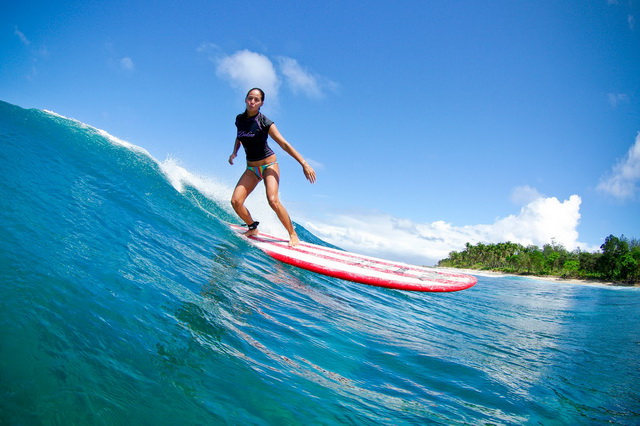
x,y
430,123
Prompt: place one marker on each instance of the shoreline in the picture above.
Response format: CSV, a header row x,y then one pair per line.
x,y
549,278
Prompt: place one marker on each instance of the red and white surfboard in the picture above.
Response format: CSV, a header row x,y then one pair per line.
x,y
359,268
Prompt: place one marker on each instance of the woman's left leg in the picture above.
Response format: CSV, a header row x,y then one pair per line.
x,y
271,177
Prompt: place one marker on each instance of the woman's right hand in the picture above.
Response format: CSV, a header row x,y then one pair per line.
x,y
231,157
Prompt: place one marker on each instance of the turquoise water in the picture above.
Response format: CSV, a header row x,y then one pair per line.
x,y
125,299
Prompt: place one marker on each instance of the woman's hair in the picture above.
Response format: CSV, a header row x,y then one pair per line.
x,y
259,90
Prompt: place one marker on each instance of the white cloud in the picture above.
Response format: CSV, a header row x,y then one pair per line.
x,y
127,64
299,79
37,53
616,99
522,195
23,38
117,62
245,69
317,165
630,18
209,49
539,222
623,180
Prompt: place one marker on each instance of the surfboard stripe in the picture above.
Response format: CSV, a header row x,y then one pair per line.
x,y
359,268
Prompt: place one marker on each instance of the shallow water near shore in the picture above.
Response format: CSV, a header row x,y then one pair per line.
x,y
548,278
126,299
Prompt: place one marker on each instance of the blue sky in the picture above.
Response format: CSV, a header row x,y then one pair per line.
x,y
429,123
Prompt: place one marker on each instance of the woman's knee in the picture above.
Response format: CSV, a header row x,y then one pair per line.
x,y
274,202
236,202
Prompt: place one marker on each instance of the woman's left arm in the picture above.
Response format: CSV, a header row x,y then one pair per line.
x,y
309,173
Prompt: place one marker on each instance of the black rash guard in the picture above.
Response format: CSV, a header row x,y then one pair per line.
x,y
253,133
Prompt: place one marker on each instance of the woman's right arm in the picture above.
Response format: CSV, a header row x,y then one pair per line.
x,y
234,154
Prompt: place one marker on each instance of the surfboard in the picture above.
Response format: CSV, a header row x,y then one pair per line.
x,y
359,268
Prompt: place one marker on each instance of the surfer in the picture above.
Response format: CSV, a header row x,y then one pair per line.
x,y
253,130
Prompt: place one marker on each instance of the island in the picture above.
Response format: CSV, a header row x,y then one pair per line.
x,y
618,260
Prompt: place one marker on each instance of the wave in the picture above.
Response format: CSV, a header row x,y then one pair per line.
x,y
125,298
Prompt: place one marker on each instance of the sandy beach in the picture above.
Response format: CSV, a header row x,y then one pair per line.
x,y
536,277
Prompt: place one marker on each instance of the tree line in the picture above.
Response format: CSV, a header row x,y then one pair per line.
x,y
618,260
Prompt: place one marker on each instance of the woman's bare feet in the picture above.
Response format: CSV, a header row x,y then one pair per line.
x,y
252,233
253,229
294,240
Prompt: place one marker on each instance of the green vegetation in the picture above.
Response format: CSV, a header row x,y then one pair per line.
x,y
618,261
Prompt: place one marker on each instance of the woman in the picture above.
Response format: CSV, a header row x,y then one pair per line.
x,y
253,131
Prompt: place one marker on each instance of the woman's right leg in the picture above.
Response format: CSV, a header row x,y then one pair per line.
x,y
247,183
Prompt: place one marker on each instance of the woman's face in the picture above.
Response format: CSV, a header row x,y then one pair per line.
x,y
254,102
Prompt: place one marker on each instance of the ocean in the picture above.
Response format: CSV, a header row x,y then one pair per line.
x,y
125,299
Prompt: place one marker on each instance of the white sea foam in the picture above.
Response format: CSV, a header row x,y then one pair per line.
x,y
179,177
113,139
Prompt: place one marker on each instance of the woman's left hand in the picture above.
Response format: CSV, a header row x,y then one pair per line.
x,y
309,173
